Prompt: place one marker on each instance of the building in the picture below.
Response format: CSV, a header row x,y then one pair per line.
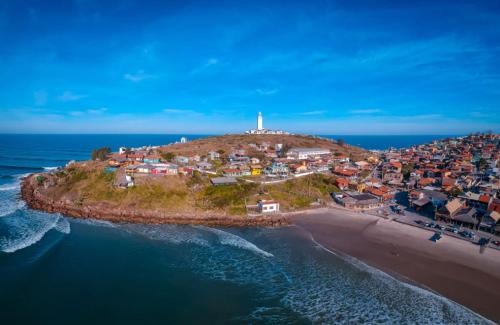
x,y
260,128
268,206
357,201
216,181
259,122
306,153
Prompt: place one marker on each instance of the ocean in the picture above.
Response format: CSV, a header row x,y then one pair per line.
x,y
59,270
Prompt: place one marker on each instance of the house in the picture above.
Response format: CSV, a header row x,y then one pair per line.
x,y
346,173
382,193
421,198
152,159
305,153
342,183
357,201
216,181
393,178
213,155
182,160
362,164
203,165
268,206
232,172
298,168
450,210
256,170
164,169
277,169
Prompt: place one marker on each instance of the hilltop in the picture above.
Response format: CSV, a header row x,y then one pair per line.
x,y
223,180
230,142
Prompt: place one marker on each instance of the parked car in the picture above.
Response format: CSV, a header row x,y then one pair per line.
x,y
496,242
451,229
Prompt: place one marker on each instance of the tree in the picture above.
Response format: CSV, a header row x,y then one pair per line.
x,y
340,142
101,153
128,151
168,156
482,164
284,149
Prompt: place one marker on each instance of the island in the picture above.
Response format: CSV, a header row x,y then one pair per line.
x,y
229,180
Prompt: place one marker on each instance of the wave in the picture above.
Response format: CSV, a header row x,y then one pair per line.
x,y
350,291
9,187
95,222
48,169
25,230
174,234
227,238
9,201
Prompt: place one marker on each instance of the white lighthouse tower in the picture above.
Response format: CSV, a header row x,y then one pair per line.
x,y
260,128
259,121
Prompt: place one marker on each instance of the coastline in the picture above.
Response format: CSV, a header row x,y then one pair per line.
x,y
36,200
452,268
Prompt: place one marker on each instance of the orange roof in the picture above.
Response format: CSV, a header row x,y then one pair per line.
x,y
484,198
426,181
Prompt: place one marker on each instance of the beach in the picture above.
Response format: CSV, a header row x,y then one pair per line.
x,y
451,267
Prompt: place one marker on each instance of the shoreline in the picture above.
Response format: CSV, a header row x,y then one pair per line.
x,y
36,200
451,268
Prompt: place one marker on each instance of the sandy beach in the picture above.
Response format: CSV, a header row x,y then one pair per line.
x,y
452,267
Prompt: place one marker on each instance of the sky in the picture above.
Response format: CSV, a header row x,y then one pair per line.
x,y
207,67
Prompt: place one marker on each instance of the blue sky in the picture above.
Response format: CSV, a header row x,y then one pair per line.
x,y
322,67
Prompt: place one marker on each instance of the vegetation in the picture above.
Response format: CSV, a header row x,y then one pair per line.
x,y
168,156
91,184
101,153
340,142
40,179
407,169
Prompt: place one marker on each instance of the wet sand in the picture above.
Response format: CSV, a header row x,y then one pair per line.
x,y
451,267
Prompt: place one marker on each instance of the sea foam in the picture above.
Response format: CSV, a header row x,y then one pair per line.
x,y
227,238
25,229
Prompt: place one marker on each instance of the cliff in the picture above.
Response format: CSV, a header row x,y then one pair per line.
x,y
37,197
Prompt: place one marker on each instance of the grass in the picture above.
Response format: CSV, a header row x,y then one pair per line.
x,y
180,193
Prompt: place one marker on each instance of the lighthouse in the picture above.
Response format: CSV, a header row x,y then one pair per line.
x,y
260,128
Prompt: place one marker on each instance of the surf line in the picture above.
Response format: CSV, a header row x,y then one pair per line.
x,y
397,278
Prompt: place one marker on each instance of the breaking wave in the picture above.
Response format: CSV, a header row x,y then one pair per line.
x,y
168,233
24,229
49,168
227,238
338,289
9,200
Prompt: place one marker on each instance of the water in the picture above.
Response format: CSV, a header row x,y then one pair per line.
x,y
58,270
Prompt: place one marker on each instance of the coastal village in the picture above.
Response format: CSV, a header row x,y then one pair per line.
x,y
450,185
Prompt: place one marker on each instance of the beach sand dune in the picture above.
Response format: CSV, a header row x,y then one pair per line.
x,y
451,267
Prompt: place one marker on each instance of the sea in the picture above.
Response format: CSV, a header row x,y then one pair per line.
x,y
59,270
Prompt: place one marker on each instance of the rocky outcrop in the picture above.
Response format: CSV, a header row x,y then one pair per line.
x,y
36,198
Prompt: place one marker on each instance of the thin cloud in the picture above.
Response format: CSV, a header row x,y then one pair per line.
x,y
310,113
92,111
207,64
266,92
138,76
97,111
365,111
177,111
69,96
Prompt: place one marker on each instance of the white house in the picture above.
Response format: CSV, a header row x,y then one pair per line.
x,y
306,153
268,206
